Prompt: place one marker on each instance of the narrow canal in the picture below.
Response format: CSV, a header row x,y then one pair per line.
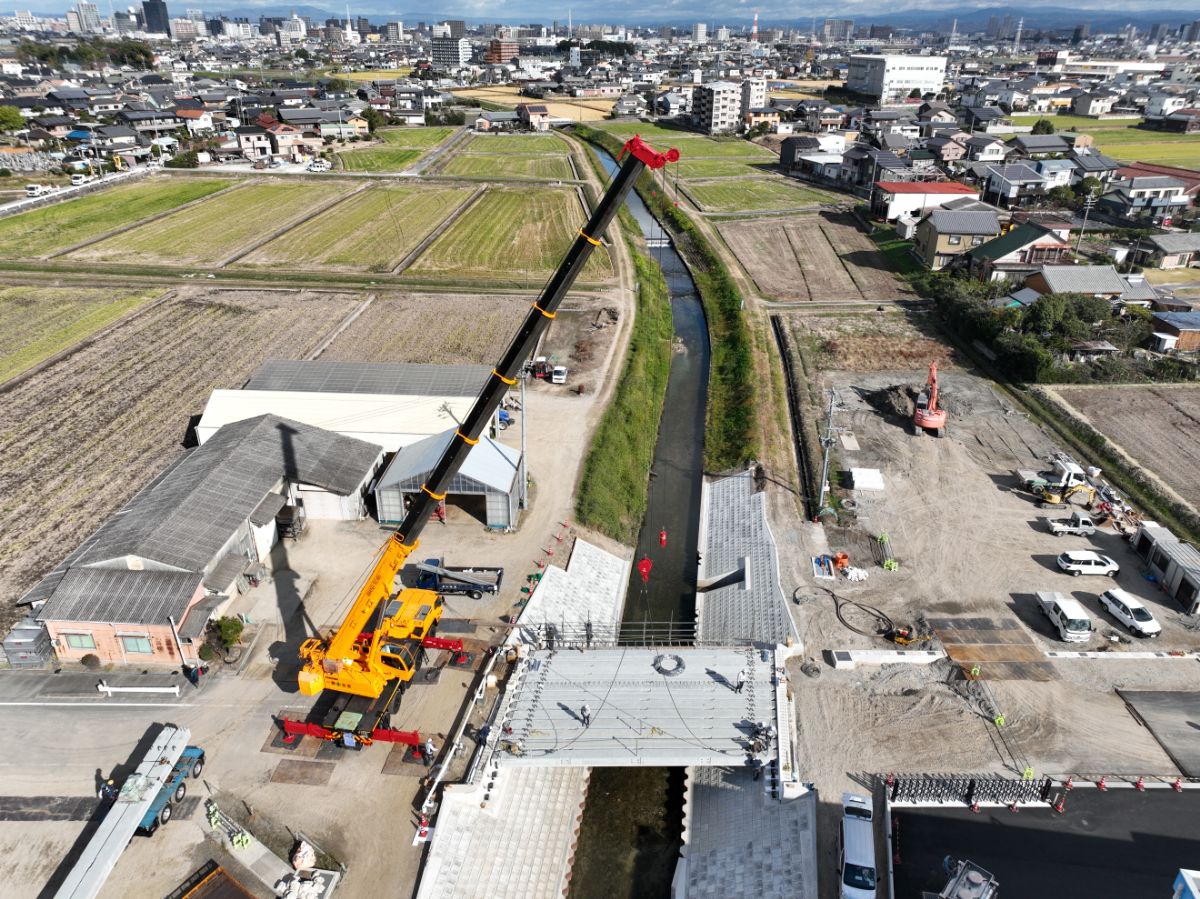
x,y
630,835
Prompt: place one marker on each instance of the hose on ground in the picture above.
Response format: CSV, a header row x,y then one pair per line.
x,y
885,624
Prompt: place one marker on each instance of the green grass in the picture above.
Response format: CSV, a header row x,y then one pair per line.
x,y
702,148
61,225
1125,142
498,165
414,138
511,237
761,194
718,168
37,322
522,144
616,473
378,159
372,231
210,231
649,132
897,252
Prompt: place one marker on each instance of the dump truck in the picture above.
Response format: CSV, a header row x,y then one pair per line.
x,y
1064,472
449,580
1078,523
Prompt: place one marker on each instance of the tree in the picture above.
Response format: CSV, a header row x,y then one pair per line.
x,y
1043,126
11,118
374,117
1088,186
1045,315
337,85
1062,196
301,54
185,160
914,94
228,630
1090,309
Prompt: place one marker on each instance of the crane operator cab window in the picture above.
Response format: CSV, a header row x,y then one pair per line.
x,y
400,654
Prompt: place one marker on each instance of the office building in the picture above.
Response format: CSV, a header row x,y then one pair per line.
x,y
393,32
156,17
501,51
891,79
700,33
837,31
89,18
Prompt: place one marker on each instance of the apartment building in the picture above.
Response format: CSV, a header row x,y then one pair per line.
x,y
717,106
890,79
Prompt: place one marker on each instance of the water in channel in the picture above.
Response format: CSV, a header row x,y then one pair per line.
x,y
630,835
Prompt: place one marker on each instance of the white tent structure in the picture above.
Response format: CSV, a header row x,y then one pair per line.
x,y
488,485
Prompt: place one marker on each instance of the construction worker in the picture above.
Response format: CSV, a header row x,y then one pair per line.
x,y
108,790
428,752
585,715
742,677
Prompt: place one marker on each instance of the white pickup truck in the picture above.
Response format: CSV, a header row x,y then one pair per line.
x,y
1079,524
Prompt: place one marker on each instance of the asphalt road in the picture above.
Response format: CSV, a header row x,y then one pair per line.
x,y
1121,844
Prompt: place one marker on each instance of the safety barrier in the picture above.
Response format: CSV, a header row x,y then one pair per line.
x,y
972,790
103,687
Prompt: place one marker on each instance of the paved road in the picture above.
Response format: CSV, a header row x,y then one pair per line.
x,y
1119,843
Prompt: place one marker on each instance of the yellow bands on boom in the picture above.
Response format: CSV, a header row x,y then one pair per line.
x,y
438,496
467,440
589,238
543,311
509,381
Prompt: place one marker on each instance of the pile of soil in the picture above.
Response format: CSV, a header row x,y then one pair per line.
x,y
900,401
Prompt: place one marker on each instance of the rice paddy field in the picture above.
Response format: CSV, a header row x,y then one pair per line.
x,y
371,231
37,322
521,144
403,147
511,238
755,195
61,225
583,109
209,232
719,168
497,165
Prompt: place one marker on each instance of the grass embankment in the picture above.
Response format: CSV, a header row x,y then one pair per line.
x,y
612,492
729,427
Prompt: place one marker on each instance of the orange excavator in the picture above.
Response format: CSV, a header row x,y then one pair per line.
x,y
927,416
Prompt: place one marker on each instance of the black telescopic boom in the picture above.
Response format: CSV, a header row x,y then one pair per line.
x,y
504,375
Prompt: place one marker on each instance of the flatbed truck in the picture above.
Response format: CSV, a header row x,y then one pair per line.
x,y
449,580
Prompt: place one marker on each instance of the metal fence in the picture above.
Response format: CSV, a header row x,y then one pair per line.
x,y
964,789
591,635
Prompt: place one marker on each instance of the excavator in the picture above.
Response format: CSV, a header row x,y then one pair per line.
x,y
380,644
1059,496
927,416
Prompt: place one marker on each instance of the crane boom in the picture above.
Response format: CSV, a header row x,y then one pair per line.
x,y
354,661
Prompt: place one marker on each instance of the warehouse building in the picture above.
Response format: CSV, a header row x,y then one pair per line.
x,y
398,406
487,487
142,588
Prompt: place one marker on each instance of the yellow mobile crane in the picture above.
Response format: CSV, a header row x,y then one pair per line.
x,y
373,663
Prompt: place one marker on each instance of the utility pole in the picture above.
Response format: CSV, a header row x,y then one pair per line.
x,y
1088,202
827,443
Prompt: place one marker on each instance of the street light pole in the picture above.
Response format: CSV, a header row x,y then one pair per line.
x,y
1088,203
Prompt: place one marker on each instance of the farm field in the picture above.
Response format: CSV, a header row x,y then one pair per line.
x,y
378,159
511,238
823,258
758,195
454,329
37,322
863,343
1126,142
520,144
718,168
1156,426
62,225
66,466
372,231
498,165
211,231
418,138
585,109
703,148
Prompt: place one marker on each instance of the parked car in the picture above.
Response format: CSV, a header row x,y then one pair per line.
x,y
559,375
1128,609
319,165
1067,616
1087,562
79,178
275,163
856,848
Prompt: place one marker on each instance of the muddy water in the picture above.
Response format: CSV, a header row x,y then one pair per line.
x,y
630,834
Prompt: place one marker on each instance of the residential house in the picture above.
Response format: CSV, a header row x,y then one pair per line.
x,y
1018,253
893,199
946,150
1177,331
759,115
1095,103
1036,146
989,119
290,141
1190,177
944,235
1057,172
179,551
254,141
863,165
1091,350
1185,121
1175,250
496,121
823,117
151,122
114,138
1100,281
1090,164
982,148
198,121
1154,197
533,116
57,126
629,105
1014,185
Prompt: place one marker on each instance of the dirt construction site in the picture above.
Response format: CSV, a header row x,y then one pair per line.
x,y
970,549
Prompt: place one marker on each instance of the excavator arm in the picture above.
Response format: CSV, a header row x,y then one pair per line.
x,y
350,660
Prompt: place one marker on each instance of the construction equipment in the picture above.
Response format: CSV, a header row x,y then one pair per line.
x,y
449,579
1055,496
927,416
379,643
906,635
1064,472
1079,523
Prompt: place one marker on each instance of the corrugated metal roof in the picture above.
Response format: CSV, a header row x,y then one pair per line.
x,y
119,596
488,463
396,378
1184,321
949,221
1083,279
267,509
186,517
1176,243
198,615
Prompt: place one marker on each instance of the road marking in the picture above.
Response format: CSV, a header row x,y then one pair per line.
x,y
125,705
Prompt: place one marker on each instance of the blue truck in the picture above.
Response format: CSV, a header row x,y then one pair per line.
x,y
449,580
173,790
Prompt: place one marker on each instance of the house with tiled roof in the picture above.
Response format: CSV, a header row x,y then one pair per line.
x,y
1018,253
946,234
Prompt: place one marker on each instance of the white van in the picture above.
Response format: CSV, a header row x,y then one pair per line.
x,y
856,848
1069,618
558,375
79,178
